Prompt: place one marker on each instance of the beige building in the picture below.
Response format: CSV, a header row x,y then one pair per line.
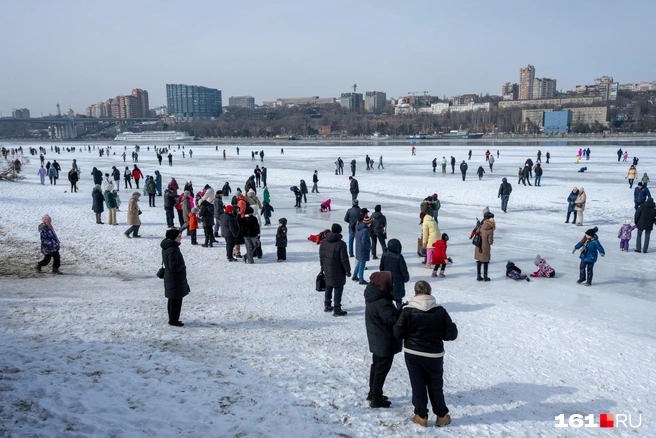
x,y
544,88
526,80
535,116
554,101
589,115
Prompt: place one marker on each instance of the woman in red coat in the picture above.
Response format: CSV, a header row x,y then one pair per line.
x,y
440,259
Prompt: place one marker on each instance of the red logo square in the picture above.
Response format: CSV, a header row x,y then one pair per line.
x,y
606,420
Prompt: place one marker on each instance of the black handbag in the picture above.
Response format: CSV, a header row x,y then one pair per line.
x,y
321,282
160,272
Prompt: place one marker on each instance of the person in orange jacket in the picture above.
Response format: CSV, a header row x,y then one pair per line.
x,y
193,225
242,204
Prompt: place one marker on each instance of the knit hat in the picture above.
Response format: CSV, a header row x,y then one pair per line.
x,y
640,184
172,233
537,260
355,202
591,232
46,218
229,209
250,191
249,210
137,194
377,208
194,210
366,220
627,221
336,228
488,215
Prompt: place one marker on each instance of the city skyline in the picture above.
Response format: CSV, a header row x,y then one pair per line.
x,y
76,54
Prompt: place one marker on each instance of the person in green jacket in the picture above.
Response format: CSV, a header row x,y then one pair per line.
x,y
111,203
645,179
266,195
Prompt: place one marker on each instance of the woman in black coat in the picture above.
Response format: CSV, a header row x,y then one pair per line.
x,y
380,317
394,262
175,275
98,205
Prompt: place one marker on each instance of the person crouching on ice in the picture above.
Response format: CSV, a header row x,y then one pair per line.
x,y
325,206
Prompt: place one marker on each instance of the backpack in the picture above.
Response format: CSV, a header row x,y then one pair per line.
x,y
477,240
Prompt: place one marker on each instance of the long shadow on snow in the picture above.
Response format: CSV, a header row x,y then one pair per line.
x,y
460,307
531,397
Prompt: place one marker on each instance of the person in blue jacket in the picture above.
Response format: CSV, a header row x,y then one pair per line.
x,y
589,246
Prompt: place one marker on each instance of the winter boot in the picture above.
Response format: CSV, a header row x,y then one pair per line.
x,y
434,274
380,403
479,278
340,313
38,267
326,308
56,271
420,421
443,421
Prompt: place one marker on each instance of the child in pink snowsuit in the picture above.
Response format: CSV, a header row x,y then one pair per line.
x,y
544,270
625,235
325,206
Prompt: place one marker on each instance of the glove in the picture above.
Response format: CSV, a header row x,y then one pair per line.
x,y
602,254
574,250
498,196
348,274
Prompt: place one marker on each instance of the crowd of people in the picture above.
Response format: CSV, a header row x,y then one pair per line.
x,y
418,328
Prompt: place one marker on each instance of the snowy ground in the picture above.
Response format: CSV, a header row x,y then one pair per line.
x,y
89,353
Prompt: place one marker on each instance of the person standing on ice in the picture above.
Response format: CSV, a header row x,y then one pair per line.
x,y
644,221
579,205
424,326
49,245
589,246
336,268
482,253
463,169
175,275
505,189
380,317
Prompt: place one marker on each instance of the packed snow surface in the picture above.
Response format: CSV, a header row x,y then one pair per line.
x,y
90,353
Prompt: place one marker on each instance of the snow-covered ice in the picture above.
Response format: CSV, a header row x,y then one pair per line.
x,y
90,353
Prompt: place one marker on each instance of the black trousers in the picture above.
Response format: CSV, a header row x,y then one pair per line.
x,y
174,307
380,367
583,267
230,246
127,181
377,236
192,233
570,212
151,199
46,259
169,216
209,237
136,181
427,375
478,268
282,253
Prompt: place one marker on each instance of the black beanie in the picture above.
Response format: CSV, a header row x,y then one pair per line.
x,y
377,208
172,234
336,228
592,231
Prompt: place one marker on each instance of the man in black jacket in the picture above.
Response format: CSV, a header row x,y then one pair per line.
x,y
463,169
644,220
250,184
230,230
315,180
378,231
505,189
354,188
394,262
380,317
423,326
351,218
453,164
353,163
336,268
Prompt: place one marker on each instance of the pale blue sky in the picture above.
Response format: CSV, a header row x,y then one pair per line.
x,y
82,52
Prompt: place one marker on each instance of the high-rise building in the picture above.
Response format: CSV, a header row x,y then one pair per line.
x,y
375,101
544,88
526,79
607,88
20,113
509,91
351,101
187,101
242,101
143,107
